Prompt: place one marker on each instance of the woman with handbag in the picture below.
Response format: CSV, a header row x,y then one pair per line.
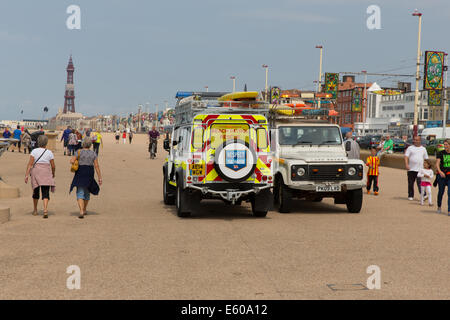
x,y
41,168
84,163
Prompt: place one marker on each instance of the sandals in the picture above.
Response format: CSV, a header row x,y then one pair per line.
x,y
45,215
81,216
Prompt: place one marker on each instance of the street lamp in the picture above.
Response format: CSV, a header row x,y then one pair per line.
x,y
364,109
416,92
234,82
265,66
207,89
319,89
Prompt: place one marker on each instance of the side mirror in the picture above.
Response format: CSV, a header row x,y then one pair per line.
x,y
167,145
348,146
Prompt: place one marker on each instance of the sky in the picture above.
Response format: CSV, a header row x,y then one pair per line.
x,y
136,52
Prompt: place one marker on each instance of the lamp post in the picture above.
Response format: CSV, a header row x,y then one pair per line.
x,y
319,85
416,92
265,66
207,89
234,82
364,109
444,100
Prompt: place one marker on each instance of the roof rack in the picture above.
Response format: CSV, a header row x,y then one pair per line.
x,y
190,106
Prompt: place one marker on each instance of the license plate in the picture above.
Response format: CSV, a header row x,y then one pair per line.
x,y
332,188
197,169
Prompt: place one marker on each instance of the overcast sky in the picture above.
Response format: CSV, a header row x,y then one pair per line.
x,y
135,51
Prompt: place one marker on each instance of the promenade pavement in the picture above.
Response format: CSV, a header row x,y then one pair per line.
x,y
132,246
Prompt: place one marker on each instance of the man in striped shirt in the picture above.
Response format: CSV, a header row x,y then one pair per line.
x,y
373,162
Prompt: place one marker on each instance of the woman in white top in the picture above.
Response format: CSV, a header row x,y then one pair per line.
x,y
41,169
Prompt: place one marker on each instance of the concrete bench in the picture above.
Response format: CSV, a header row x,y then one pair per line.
x,y
393,160
5,214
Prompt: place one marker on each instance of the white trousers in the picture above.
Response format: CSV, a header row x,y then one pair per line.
x,y
426,189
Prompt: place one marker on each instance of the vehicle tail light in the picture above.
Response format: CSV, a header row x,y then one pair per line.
x,y
264,178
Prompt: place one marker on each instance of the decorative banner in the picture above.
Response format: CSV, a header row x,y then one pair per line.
x,y
434,97
387,92
275,94
356,100
331,84
434,62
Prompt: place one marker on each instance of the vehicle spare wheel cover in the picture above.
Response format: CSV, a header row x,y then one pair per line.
x,y
235,161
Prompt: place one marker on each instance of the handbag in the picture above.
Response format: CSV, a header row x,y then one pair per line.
x,y
75,165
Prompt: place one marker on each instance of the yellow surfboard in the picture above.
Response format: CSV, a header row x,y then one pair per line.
x,y
239,96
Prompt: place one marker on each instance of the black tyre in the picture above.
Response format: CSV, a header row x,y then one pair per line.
x,y
283,197
168,191
260,203
182,201
354,200
318,199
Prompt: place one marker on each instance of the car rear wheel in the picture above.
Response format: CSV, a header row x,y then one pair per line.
x,y
168,192
181,201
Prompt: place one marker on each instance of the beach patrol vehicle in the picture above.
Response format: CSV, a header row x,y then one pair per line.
x,y
310,161
219,149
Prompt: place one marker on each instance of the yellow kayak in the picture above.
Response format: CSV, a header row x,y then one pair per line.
x,y
238,96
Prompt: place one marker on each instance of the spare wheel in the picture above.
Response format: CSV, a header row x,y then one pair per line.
x,y
235,161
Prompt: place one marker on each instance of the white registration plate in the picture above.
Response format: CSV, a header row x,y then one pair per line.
x,y
331,188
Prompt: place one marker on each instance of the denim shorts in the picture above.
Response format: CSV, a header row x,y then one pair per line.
x,y
83,193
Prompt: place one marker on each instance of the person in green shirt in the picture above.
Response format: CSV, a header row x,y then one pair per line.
x,y
388,146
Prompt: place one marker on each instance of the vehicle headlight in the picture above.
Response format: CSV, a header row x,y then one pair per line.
x,y
301,172
351,171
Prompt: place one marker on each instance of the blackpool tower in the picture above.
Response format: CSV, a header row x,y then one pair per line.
x,y
69,97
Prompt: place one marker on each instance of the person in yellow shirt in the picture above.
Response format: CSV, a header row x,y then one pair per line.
x,y
96,140
373,162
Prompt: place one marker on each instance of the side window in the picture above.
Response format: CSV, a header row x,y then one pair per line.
x,y
261,135
176,136
197,140
185,141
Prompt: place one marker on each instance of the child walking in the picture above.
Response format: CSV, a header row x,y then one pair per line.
x,y
426,174
373,162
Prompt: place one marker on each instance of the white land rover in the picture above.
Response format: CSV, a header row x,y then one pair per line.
x,y
312,164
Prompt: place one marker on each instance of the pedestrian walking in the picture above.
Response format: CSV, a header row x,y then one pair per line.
x,y
41,169
17,134
26,141
117,136
84,178
97,141
79,140
124,136
373,162
65,138
426,175
130,136
73,143
352,147
414,157
443,168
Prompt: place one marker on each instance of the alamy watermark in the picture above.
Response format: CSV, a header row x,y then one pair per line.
x,y
374,281
74,280
373,22
74,20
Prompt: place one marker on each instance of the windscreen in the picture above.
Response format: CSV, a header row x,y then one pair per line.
x,y
296,135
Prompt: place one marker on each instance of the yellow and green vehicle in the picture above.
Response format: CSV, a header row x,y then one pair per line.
x,y
219,149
